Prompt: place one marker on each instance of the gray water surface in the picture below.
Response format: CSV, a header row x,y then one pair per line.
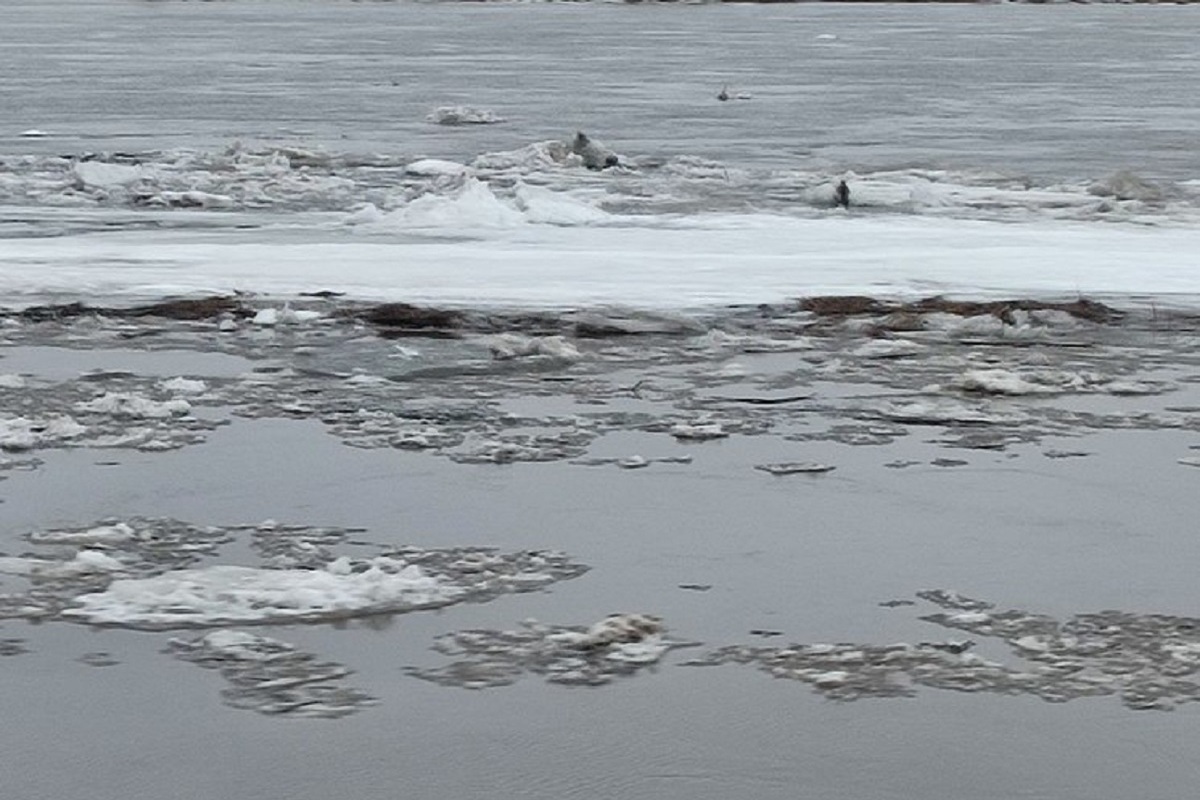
x,y
1060,91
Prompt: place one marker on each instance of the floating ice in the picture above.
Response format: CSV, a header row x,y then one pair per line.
x,y
1148,659
513,345
22,433
102,175
1041,382
144,573
126,405
272,677
183,386
795,468
698,432
888,348
99,535
463,115
620,645
221,595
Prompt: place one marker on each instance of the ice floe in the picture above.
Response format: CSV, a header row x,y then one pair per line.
x,y
463,115
795,468
146,573
1148,660
619,645
271,676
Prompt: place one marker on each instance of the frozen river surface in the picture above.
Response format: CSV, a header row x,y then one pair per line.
x,y
280,546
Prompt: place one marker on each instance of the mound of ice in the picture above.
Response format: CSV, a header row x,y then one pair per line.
x,y
504,346
473,205
531,158
99,174
12,381
463,115
556,208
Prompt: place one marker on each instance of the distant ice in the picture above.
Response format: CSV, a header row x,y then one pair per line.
x,y
463,115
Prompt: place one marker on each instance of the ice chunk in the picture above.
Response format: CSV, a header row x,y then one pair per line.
x,y
221,595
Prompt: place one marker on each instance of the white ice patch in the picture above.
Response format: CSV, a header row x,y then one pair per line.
x,y
101,535
888,348
1007,382
504,346
472,206
98,174
546,207
270,317
22,433
436,168
463,115
698,432
127,405
222,595
192,198
183,386
12,381
531,158
84,562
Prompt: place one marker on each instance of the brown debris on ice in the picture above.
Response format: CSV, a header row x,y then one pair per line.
x,y
857,305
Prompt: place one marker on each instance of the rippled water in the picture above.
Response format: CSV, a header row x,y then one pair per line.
x,y
1063,91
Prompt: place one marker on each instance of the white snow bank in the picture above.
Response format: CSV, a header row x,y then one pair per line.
x,y
222,595
476,249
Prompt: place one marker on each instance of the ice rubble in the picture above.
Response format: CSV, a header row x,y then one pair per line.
x,y
271,676
619,645
1149,660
